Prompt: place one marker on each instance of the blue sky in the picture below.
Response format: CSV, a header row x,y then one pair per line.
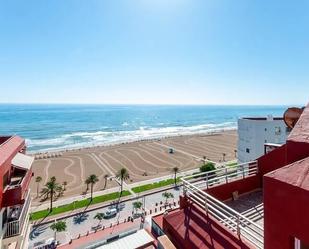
x,y
154,51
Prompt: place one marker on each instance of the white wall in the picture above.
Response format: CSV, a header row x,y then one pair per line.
x,y
252,134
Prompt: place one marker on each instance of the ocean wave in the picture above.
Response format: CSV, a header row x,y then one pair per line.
x,y
86,139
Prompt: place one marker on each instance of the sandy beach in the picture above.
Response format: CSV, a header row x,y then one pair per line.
x,y
143,159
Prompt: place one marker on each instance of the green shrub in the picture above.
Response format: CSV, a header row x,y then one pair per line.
x,y
154,185
233,164
207,167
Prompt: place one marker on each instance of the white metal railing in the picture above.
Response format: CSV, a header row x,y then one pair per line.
x,y
15,227
235,221
223,175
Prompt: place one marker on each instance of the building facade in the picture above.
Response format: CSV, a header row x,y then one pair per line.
x,y
274,212
15,201
253,133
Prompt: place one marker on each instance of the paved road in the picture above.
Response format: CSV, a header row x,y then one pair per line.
x,y
80,224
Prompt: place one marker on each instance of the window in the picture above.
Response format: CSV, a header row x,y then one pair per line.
x,y
277,130
4,218
247,150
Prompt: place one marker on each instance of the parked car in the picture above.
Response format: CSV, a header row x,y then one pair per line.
x,y
45,244
110,213
137,215
97,227
118,206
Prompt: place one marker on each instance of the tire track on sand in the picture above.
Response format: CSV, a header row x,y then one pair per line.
x,y
119,162
66,171
101,164
46,170
82,175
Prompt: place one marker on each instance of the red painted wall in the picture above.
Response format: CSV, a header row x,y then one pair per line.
x,y
296,151
7,151
17,195
224,192
286,214
272,160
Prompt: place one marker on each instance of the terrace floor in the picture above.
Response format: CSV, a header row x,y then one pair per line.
x,y
192,228
250,205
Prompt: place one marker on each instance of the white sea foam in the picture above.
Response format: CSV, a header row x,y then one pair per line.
x,y
86,139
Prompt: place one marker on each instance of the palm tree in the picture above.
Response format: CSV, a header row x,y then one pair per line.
x,y
122,175
59,226
64,184
235,153
99,217
87,182
167,195
50,189
175,170
223,157
105,180
38,179
137,205
59,190
92,179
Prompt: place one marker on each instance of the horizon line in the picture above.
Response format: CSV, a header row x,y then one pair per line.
x,y
143,104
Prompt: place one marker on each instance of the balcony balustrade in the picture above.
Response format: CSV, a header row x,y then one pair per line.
x,y
17,217
15,192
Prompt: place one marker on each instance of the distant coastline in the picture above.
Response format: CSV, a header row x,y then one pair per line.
x,y
135,136
62,127
72,149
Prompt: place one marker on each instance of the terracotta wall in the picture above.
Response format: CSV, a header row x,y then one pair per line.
x,y
7,151
286,214
296,151
17,195
224,191
272,160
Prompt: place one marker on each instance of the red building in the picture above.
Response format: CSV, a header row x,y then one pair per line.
x,y
260,204
15,176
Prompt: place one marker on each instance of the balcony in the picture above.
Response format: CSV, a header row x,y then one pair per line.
x,y
224,175
16,190
17,217
243,216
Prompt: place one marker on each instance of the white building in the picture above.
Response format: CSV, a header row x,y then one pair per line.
x,y
254,132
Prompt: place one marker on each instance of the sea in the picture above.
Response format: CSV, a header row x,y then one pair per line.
x,y
60,127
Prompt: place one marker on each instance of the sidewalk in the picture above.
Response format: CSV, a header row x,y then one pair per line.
x,y
100,235
99,206
86,226
78,211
